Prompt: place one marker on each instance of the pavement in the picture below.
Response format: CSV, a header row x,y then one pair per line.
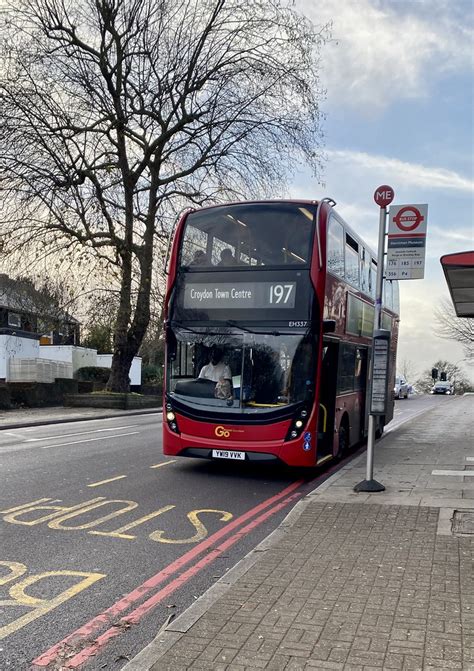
x,y
15,419
349,581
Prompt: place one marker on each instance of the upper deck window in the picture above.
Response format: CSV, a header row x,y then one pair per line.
x,y
388,294
352,261
335,253
373,278
254,234
365,271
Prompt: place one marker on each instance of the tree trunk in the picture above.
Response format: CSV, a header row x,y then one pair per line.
x,y
119,380
127,338
122,352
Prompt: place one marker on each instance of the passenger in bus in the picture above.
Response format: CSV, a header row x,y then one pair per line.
x,y
199,259
227,258
223,389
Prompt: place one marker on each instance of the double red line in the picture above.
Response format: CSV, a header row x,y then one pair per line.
x,y
80,638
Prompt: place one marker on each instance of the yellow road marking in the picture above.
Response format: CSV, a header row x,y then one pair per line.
x,y
103,482
165,463
118,533
61,516
201,531
16,570
26,505
14,517
58,522
39,606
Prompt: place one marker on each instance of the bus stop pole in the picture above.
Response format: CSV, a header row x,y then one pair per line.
x,y
369,484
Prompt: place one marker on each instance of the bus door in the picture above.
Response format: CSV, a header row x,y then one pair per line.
x,y
327,397
359,416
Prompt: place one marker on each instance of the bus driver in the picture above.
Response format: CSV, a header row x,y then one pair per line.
x,y
219,372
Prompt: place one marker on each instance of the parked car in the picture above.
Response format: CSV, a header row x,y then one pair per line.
x,y
401,387
442,388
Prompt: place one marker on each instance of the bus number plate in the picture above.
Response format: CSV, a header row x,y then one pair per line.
x,y
228,454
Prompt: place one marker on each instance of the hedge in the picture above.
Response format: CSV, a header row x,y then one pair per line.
x,y
93,374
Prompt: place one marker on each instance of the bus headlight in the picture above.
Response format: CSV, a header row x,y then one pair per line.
x,y
298,424
171,418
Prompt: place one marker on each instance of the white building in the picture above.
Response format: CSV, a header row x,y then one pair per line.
x,y
135,373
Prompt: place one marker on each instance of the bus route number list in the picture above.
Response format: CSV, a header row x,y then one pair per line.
x,y
380,373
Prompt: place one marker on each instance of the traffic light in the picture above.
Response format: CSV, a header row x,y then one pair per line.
x,y
434,373
442,377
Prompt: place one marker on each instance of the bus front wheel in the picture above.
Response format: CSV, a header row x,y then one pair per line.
x,y
343,443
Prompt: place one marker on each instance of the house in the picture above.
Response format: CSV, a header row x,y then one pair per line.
x,y
39,341
28,319
28,313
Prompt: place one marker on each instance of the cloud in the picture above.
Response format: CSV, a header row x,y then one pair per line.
x,y
441,241
352,176
386,51
408,174
418,341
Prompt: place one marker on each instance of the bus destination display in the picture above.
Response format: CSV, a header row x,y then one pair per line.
x,y
239,295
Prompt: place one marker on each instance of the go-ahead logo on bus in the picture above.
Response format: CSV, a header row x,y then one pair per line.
x,y
222,432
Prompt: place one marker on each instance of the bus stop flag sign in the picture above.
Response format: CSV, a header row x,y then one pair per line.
x,y
406,242
384,195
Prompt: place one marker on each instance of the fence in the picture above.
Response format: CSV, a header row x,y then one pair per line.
x,y
37,370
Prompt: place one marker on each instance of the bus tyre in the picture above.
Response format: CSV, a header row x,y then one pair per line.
x,y
343,439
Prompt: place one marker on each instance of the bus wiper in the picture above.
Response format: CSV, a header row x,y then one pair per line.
x,y
184,327
231,322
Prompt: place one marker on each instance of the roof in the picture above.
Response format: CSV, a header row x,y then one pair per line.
x,y
21,296
459,272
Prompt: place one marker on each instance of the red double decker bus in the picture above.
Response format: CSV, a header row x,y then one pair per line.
x,y
269,322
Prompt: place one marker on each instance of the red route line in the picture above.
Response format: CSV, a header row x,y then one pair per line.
x,y
135,616
129,599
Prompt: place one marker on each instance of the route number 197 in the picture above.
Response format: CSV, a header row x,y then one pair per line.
x,y
280,293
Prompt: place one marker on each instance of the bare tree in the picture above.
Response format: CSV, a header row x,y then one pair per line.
x,y
407,369
117,113
453,373
99,318
452,327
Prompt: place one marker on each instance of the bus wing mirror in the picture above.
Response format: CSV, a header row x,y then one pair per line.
x,y
329,325
171,343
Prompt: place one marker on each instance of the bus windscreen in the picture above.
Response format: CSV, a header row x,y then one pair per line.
x,y
240,371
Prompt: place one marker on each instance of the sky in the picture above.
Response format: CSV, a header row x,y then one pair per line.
x,y
399,80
